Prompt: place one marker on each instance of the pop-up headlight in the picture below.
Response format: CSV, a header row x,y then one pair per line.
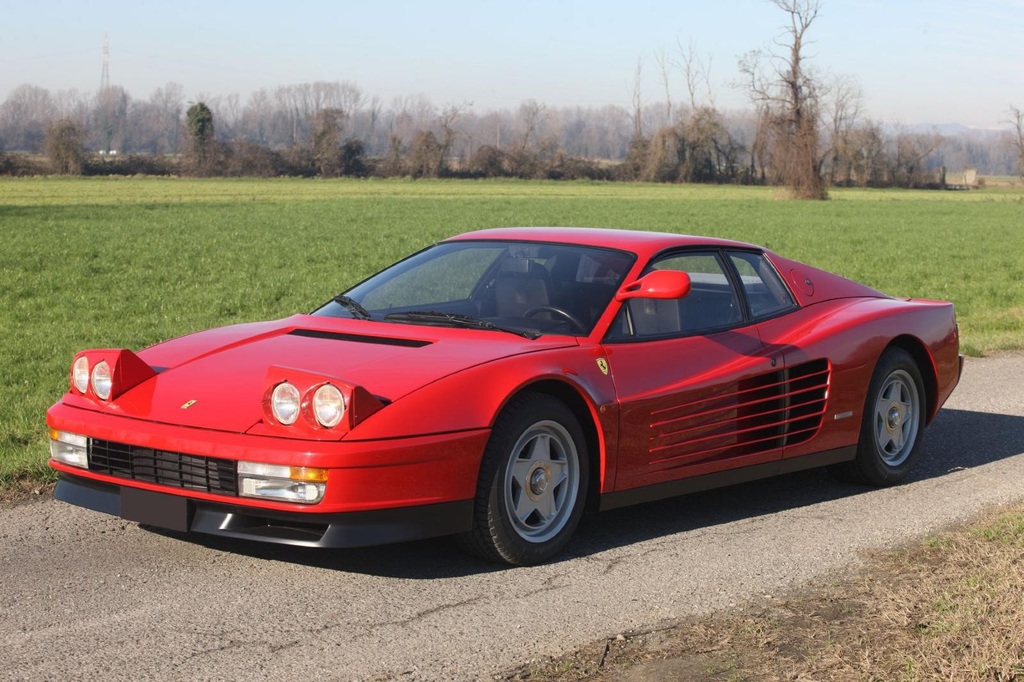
x,y
303,404
105,374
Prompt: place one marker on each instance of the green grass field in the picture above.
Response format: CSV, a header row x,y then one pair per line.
x,y
115,262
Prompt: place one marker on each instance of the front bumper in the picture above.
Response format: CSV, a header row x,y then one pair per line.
x,y
366,475
305,529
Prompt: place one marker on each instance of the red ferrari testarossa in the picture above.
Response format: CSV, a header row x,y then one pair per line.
x,y
499,383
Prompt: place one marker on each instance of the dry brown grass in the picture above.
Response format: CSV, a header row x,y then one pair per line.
x,y
949,608
25,489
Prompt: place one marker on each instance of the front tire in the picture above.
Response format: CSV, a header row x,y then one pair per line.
x,y
533,483
892,423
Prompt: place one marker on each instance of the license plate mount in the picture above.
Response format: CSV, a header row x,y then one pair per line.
x,y
172,512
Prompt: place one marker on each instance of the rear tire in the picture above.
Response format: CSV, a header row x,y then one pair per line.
x,y
532,485
892,424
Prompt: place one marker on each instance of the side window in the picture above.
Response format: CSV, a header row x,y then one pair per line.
x,y
711,304
766,293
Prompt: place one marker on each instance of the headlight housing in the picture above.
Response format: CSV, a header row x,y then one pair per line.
x,y
304,485
80,374
328,406
69,448
102,380
310,405
285,403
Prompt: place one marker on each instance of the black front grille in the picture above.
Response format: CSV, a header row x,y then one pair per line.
x,y
206,474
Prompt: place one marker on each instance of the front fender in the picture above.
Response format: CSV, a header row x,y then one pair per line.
x,y
473,398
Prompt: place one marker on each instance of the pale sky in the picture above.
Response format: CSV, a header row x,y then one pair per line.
x,y
917,61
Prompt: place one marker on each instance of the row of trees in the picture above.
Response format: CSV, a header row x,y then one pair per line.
x,y
700,144
803,130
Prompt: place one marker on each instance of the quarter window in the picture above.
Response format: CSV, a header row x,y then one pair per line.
x,y
766,294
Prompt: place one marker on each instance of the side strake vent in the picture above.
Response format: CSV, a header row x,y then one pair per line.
x,y
359,338
766,412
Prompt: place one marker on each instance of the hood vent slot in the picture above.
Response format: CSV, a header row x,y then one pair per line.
x,y
359,338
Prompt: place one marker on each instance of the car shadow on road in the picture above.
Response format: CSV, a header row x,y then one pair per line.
x,y
956,440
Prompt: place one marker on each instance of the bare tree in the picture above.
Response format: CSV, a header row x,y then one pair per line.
x,y
697,73
167,103
908,158
866,155
72,104
842,108
707,151
791,95
111,116
326,140
393,164
524,158
661,58
24,116
257,116
661,162
425,157
1017,136
637,99
447,119
532,113
230,115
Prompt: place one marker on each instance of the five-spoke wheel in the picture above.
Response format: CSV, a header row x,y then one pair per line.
x,y
533,483
892,423
541,481
897,413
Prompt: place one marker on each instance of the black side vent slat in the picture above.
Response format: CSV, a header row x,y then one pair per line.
x,y
173,469
765,412
359,338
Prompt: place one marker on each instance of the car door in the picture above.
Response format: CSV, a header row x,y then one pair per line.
x,y
694,381
805,374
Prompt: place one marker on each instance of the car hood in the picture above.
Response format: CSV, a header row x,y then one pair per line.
x,y
217,379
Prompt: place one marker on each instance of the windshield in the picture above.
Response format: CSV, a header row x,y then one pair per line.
x,y
512,286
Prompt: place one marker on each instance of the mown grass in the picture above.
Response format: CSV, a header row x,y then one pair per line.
x,y
127,262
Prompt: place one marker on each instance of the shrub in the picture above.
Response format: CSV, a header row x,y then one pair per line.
x,y
64,144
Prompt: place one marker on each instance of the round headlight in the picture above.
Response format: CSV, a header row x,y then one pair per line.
x,y
80,374
328,406
284,403
101,380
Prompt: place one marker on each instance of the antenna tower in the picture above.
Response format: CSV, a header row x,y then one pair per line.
x,y
105,76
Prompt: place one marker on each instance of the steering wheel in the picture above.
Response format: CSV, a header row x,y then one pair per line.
x,y
564,314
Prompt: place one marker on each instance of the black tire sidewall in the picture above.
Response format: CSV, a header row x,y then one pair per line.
x,y
871,467
518,417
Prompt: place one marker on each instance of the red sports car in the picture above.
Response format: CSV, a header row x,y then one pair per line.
x,y
498,384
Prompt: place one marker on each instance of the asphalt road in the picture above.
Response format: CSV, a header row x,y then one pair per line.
x,y
87,596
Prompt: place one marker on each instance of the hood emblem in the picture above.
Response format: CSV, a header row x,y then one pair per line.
x,y
189,404
602,365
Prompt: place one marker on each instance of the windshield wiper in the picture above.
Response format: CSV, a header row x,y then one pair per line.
x,y
353,306
456,320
